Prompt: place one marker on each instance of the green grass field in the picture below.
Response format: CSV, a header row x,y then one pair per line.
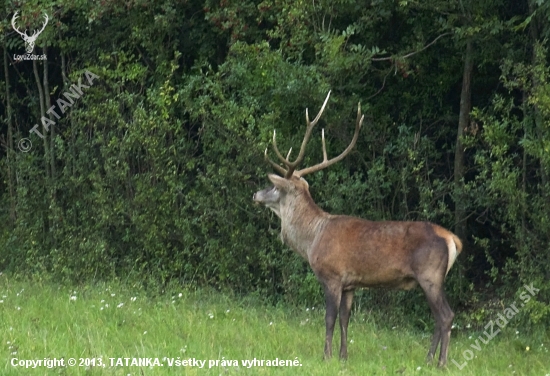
x,y
93,324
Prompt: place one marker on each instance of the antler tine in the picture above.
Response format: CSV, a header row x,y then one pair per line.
x,y
45,23
15,16
288,155
287,173
36,32
326,162
277,152
281,170
292,165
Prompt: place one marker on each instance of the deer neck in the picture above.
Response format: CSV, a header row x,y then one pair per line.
x,y
301,222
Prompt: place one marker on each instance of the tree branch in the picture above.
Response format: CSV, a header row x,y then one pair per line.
x,y
412,53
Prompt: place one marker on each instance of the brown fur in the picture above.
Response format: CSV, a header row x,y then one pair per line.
x,y
346,253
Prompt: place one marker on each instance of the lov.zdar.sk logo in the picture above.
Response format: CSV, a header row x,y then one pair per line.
x,y
29,40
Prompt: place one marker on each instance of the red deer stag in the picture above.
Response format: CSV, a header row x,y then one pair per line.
x,y
346,253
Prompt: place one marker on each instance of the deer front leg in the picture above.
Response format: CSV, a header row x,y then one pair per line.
x,y
345,310
333,295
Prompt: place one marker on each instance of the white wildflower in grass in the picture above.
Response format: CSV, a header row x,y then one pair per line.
x,y
133,299
211,315
145,332
18,308
102,301
120,305
180,295
106,305
183,349
1,301
227,311
350,341
307,309
73,298
418,368
271,323
113,295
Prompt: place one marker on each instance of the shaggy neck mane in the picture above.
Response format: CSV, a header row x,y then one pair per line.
x,y
301,221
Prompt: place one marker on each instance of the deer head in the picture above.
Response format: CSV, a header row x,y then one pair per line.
x,y
29,40
289,196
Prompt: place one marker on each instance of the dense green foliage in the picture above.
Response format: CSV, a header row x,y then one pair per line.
x,y
150,173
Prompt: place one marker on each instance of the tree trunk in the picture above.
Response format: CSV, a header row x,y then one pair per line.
x,y
42,114
9,142
47,177
48,105
463,121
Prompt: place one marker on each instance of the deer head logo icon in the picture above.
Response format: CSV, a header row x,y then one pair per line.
x,y
29,39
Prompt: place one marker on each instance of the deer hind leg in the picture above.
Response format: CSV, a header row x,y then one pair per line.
x,y
448,316
443,319
333,295
435,342
345,310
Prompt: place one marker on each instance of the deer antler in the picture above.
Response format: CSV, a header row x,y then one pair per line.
x,y
15,16
43,26
326,162
291,166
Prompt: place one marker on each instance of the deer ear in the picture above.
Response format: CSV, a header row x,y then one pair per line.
x,y
278,181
